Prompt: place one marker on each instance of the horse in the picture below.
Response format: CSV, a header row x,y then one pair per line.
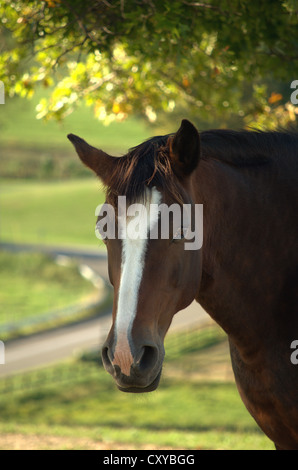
x,y
244,275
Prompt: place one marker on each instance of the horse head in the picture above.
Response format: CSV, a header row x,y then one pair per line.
x,y
153,277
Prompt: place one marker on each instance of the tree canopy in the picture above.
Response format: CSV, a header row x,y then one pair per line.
x,y
219,62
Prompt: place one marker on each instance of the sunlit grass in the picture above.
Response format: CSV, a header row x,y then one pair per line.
x,y
20,128
80,399
32,148
33,284
60,212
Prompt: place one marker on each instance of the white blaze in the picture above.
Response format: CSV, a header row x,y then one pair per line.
x,y
133,261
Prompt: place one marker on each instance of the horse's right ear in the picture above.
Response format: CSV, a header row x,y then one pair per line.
x,y
185,149
100,162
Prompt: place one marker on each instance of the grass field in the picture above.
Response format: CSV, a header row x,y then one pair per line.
x,y
76,405
19,126
35,149
33,284
53,212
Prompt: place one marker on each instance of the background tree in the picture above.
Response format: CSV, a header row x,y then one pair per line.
x,y
227,62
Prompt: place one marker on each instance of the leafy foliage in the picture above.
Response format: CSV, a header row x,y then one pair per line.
x,y
216,62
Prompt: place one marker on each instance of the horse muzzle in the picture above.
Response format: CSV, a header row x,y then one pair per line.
x,y
135,372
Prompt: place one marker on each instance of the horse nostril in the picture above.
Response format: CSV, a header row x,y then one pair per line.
x,y
107,362
148,358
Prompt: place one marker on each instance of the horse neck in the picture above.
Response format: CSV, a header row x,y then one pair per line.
x,y
229,285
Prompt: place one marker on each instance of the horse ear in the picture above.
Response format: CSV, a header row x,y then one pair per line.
x,y
185,149
100,162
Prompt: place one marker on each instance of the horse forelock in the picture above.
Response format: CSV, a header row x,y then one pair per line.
x,y
145,166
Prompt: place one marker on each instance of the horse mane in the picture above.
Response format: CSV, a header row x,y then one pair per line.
x,y
246,148
144,166
149,164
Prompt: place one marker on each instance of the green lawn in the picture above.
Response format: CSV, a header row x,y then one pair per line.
x,y
56,212
31,148
33,284
79,399
19,127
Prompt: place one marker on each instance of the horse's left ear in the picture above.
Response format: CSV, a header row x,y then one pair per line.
x,y
185,149
100,162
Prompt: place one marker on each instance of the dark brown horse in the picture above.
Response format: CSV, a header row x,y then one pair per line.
x,y
245,276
